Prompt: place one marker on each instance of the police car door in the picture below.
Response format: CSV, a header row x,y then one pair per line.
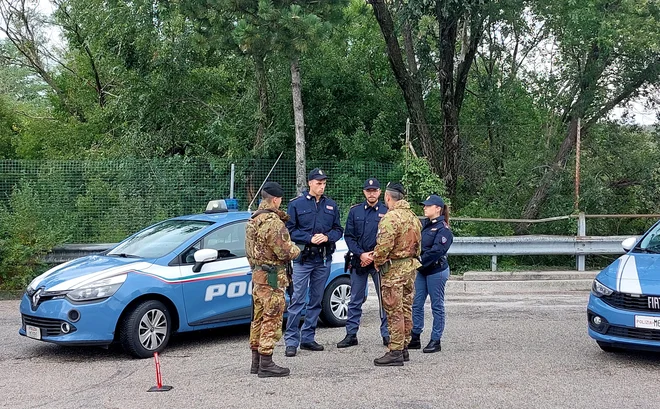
x,y
222,291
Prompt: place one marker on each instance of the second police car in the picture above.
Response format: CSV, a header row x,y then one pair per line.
x,y
624,305
183,274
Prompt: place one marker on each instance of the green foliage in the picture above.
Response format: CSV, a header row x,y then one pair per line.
x,y
419,182
30,226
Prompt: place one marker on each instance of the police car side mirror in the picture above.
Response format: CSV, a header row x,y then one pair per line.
x,y
202,257
628,243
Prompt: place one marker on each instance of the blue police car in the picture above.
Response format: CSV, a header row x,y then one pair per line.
x,y
624,305
183,274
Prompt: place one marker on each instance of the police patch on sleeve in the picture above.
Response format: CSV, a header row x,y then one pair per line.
x,y
444,240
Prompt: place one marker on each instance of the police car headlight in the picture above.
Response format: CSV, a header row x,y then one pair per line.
x,y
600,290
97,290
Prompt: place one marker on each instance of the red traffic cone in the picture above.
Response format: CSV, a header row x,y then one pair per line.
x,y
159,381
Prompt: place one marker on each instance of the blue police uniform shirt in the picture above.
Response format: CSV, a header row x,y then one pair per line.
x,y
362,226
307,218
436,239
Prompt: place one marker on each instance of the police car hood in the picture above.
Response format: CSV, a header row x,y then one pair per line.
x,y
634,273
85,270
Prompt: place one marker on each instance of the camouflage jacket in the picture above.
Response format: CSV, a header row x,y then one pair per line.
x,y
399,234
267,239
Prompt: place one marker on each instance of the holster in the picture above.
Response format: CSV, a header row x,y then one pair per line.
x,y
271,274
289,276
385,267
348,258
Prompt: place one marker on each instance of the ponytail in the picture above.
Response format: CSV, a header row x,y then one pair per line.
x,y
445,213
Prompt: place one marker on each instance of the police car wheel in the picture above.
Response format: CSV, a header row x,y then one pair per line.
x,y
609,348
146,329
334,309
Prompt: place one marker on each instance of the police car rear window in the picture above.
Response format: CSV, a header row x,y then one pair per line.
x,y
159,239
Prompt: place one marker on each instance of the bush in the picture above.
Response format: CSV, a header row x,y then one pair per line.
x,y
28,230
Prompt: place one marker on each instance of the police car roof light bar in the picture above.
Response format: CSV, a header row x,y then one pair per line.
x,y
216,206
262,183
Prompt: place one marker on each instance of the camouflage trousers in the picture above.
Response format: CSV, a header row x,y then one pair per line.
x,y
398,289
269,305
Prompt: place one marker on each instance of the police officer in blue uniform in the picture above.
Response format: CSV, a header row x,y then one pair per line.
x,y
360,236
314,226
432,276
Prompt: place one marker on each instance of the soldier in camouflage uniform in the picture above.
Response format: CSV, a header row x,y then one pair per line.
x,y
398,245
269,249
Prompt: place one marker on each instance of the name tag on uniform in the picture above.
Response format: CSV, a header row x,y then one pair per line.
x,y
329,207
381,214
434,229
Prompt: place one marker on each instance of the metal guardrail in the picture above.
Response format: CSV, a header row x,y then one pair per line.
x,y
532,245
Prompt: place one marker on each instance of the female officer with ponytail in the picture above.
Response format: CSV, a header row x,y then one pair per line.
x,y
433,274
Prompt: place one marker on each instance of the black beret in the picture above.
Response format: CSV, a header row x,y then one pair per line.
x,y
396,187
273,189
316,174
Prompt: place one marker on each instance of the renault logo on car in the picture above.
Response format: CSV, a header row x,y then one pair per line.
x,y
36,297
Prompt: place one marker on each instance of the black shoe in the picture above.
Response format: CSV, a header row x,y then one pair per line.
x,y
433,346
415,343
386,341
406,355
391,358
290,351
311,346
348,341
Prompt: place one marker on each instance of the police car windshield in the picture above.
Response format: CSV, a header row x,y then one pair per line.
x,y
160,239
651,242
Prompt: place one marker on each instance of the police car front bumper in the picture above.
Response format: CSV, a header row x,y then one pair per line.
x,y
623,328
61,322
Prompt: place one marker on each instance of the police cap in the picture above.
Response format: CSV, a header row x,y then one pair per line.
x,y
317,174
434,200
371,183
273,189
396,187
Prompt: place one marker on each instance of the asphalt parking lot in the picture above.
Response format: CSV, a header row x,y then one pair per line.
x,y
499,351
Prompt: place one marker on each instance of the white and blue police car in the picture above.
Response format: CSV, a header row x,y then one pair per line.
x,y
624,305
183,274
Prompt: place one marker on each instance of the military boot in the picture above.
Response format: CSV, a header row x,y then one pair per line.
x,y
406,355
415,342
391,358
267,368
255,362
348,341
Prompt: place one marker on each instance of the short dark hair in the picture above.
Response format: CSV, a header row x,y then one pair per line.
x,y
266,196
395,195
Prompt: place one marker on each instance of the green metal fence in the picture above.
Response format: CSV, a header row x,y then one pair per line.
x,y
103,201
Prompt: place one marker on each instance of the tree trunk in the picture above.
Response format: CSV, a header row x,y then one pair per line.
x,y
299,120
448,23
264,105
559,162
453,80
408,83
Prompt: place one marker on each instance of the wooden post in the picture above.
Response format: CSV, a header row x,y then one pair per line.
x,y
582,231
577,166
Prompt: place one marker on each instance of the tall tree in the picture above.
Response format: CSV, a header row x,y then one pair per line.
x,y
459,27
608,53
